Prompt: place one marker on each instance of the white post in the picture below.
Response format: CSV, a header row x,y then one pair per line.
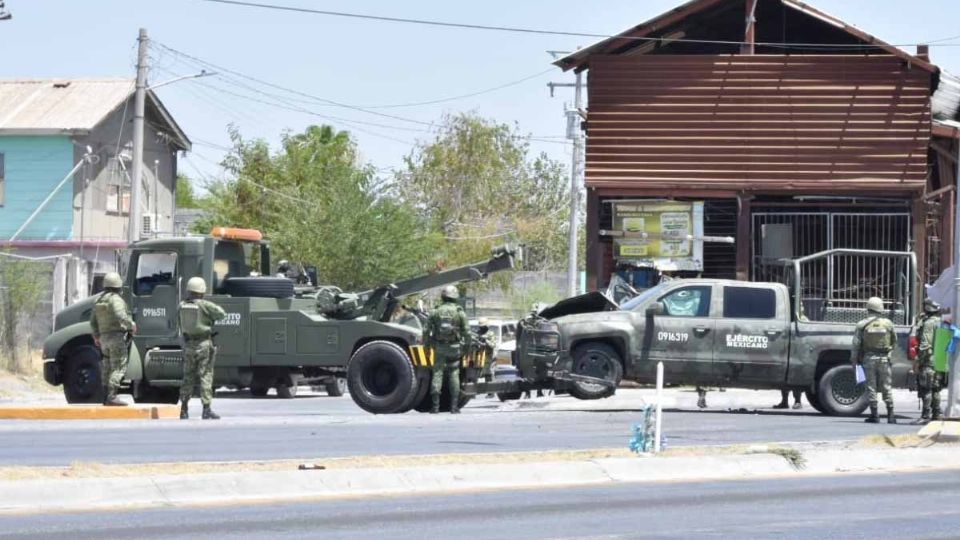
x,y
952,410
572,272
659,425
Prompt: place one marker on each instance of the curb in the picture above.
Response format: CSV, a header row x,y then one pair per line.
x,y
89,412
70,494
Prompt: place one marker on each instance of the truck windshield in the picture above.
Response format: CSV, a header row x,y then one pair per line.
x,y
643,297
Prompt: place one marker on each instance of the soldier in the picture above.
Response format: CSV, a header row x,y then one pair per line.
x,y
929,381
873,341
196,317
283,268
447,334
701,397
487,343
112,327
784,399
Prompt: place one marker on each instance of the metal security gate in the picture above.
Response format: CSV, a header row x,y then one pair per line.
x,y
841,283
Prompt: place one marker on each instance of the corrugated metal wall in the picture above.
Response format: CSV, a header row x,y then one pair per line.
x,y
765,122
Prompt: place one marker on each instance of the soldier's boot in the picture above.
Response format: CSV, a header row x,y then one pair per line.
x,y
454,402
702,402
435,406
184,411
925,414
208,413
874,418
936,414
114,402
891,418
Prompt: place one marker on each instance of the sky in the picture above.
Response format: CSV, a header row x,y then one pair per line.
x,y
365,73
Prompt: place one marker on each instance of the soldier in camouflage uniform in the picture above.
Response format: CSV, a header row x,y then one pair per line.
x,y
197,317
929,381
447,334
487,343
873,341
112,325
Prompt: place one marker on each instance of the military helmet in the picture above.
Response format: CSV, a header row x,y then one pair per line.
x,y
483,321
283,264
197,285
450,292
931,306
875,305
112,281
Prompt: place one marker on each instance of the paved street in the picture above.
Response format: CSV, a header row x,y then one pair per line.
x,y
317,426
837,507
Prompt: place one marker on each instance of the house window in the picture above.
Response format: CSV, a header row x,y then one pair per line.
x,y
3,181
118,199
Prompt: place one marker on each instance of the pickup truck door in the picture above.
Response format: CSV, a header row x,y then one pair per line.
x,y
682,337
753,335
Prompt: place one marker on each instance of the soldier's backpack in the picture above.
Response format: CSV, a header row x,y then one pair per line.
x,y
876,337
190,323
104,313
447,329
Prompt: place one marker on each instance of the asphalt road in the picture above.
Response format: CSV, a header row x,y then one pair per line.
x,y
318,426
895,506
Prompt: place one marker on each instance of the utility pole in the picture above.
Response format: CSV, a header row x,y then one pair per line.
x,y
139,101
574,134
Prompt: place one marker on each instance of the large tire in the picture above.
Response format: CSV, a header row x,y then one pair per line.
x,y
261,287
814,400
258,390
839,394
82,382
596,360
381,378
337,387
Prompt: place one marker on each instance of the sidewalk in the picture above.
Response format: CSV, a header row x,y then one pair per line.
x,y
455,474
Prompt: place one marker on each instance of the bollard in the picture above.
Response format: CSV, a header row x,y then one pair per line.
x,y
659,421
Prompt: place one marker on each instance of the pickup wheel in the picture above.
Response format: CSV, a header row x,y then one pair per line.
x,y
82,382
596,360
381,378
839,394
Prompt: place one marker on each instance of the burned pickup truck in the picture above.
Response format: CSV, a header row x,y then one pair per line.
x,y
761,335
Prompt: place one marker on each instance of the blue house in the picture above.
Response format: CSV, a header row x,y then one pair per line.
x,y
46,127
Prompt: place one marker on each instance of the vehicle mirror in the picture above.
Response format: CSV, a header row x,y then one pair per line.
x,y
655,309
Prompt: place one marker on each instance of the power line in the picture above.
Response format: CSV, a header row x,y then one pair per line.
x,y
463,96
540,31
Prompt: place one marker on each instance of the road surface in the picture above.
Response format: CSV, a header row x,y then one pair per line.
x,y
318,426
893,506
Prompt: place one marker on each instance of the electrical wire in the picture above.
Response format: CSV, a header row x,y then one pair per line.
x,y
540,31
463,96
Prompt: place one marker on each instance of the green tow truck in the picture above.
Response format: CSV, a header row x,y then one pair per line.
x,y
273,335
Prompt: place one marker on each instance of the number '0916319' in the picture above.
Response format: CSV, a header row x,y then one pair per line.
x,y
676,337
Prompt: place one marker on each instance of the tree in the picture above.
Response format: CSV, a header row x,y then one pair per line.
x,y
186,196
478,185
22,285
318,204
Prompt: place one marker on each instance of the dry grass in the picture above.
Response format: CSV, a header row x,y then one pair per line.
x,y
28,382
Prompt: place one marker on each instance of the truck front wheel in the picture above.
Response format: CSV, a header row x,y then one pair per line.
x,y
839,394
381,378
82,381
596,360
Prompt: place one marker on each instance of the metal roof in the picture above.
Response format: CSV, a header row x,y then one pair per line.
x,y
45,106
580,59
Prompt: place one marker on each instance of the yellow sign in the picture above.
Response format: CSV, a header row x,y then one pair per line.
x,y
659,233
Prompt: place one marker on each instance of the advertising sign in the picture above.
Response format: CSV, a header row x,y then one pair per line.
x,y
659,234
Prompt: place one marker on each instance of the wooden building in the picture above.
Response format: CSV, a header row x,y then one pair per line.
x,y
797,131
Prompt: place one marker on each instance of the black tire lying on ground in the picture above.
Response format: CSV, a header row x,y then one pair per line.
x,y
381,378
262,287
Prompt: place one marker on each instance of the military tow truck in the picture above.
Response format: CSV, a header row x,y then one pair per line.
x,y
711,332
273,336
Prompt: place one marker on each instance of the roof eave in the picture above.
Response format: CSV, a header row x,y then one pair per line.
x,y
39,132
179,139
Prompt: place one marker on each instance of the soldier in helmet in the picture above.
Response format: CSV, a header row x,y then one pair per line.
x,y
929,381
112,326
283,268
447,334
487,343
873,341
197,317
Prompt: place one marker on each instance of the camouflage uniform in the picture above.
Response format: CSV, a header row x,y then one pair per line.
x,y
873,341
929,381
487,344
199,353
111,322
447,334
